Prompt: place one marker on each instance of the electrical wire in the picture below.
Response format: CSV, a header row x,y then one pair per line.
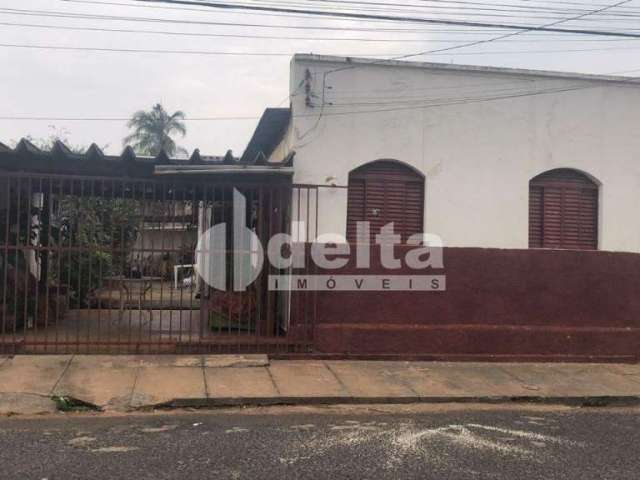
x,y
470,44
594,83
289,37
364,16
58,14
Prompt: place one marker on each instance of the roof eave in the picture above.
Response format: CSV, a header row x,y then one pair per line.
x,y
305,57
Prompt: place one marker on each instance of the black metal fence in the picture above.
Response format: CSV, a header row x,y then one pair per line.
x,y
107,265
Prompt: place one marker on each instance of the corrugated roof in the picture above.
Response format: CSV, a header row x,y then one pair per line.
x,y
267,136
60,159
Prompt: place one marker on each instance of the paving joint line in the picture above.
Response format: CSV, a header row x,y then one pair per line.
x,y
64,372
204,377
273,380
406,384
513,375
340,382
135,383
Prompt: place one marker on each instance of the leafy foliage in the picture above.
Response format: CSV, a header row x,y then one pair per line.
x,y
104,230
152,131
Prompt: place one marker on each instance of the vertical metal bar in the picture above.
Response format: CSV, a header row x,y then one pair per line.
x,y
100,202
251,289
37,255
69,260
210,292
279,314
267,331
193,280
306,220
46,257
163,211
316,233
122,286
5,262
79,248
113,266
175,211
216,294
239,269
128,254
92,253
151,262
309,328
26,253
230,286
16,268
171,210
202,222
139,256
261,285
59,253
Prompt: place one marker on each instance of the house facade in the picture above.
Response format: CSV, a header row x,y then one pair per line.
x,y
529,178
482,157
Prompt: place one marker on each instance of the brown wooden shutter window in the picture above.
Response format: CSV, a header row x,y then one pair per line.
x,y
563,211
385,191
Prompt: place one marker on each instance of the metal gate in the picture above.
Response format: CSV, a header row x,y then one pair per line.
x,y
94,264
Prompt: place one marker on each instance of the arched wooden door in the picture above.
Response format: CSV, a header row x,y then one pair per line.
x,y
385,191
563,210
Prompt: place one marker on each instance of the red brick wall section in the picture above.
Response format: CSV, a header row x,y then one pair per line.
x,y
498,304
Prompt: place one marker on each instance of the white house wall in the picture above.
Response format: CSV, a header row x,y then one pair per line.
x,y
477,157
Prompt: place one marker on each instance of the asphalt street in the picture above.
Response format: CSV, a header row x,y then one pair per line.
x,y
427,442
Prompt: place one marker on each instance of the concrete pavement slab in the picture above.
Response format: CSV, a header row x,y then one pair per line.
x,y
573,379
250,382
632,370
236,361
26,404
101,380
370,379
439,379
161,385
152,361
32,373
296,378
427,381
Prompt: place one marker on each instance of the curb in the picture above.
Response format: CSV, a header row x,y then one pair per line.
x,y
574,401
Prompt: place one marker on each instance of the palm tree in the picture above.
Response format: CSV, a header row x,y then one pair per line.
x,y
152,131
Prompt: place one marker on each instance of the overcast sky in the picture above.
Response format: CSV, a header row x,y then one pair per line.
x,y
91,84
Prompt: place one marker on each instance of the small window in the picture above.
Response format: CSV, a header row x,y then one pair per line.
x,y
563,211
382,192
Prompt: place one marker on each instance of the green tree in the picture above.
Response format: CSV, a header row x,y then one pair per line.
x,y
152,131
101,229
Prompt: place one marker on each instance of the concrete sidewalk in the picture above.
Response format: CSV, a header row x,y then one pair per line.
x,y
30,384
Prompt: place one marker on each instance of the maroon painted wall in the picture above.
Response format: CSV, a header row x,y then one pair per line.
x,y
498,304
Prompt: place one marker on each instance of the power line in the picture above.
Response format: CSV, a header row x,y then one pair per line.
x,y
475,6
449,4
183,8
57,14
330,5
543,27
508,35
281,37
71,15
363,16
488,10
440,52
530,6
630,81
